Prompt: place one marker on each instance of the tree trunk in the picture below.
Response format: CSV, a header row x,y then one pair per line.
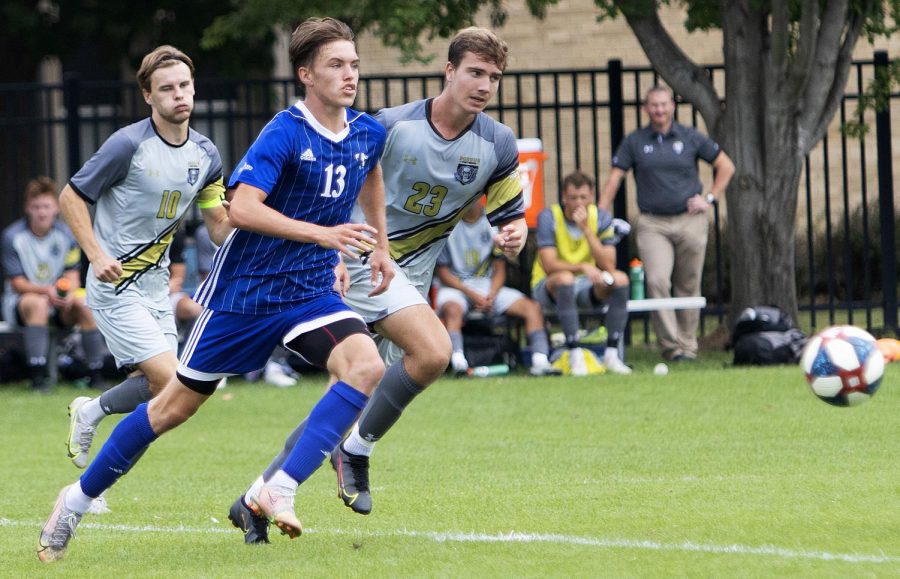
x,y
783,83
759,132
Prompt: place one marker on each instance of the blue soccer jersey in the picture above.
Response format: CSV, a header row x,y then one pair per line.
x,y
310,174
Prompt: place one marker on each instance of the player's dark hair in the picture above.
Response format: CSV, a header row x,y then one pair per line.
x,y
577,179
308,38
161,57
481,42
39,186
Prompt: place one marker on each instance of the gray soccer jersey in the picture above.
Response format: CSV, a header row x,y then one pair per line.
x,y
429,181
41,260
142,186
470,250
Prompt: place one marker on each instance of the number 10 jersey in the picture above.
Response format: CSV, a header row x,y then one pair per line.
x,y
142,187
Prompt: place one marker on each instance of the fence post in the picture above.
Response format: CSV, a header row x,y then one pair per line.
x,y
71,99
616,134
886,202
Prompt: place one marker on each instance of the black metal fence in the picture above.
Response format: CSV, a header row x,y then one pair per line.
x,y
847,254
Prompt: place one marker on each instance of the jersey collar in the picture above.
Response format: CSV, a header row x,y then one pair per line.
x,y
319,128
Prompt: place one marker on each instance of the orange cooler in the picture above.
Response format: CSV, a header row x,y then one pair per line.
x,y
531,175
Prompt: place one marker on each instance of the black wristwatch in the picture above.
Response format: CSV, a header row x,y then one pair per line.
x,y
710,198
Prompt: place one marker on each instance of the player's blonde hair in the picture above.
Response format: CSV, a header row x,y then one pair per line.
x,y
481,42
308,38
161,57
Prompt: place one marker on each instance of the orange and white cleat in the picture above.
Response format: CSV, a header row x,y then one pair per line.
x,y
58,530
277,506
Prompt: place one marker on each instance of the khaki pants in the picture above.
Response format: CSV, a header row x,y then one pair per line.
x,y
673,248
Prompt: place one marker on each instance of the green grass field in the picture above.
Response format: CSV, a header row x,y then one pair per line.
x,y
710,471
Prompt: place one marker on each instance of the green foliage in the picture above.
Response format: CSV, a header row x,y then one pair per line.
x,y
117,33
881,17
877,97
399,23
711,471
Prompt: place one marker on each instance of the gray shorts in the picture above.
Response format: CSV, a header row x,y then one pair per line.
x,y
506,297
402,293
135,333
583,294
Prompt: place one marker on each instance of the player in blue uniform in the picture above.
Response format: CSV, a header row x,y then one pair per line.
x,y
441,154
272,281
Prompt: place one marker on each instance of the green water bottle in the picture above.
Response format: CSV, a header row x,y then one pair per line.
x,y
492,370
636,277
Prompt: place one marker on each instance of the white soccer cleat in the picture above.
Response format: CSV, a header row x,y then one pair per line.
x,y
614,364
577,363
541,366
81,434
274,374
459,363
99,506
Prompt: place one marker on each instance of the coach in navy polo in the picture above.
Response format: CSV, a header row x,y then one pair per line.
x,y
673,226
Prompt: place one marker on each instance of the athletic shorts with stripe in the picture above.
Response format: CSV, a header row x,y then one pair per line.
x,y
223,344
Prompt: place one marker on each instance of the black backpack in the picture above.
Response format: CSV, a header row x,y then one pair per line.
x,y
766,335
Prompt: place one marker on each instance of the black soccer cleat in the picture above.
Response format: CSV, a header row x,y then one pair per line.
x,y
255,527
353,480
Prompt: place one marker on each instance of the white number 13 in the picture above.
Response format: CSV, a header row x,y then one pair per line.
x,y
335,176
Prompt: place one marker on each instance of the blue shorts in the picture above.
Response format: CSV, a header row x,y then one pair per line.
x,y
224,344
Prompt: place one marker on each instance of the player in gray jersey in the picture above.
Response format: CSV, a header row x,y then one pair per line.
x,y
42,263
472,274
441,154
141,181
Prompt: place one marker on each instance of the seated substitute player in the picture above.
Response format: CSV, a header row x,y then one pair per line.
x,y
576,267
441,154
472,273
272,281
42,263
142,182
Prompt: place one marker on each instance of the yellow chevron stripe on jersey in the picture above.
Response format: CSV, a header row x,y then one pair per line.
x,y
212,195
414,242
502,192
144,258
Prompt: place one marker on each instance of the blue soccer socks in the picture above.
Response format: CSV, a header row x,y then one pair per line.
x,y
328,421
128,439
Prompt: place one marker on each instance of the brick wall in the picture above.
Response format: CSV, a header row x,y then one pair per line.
x,y
571,37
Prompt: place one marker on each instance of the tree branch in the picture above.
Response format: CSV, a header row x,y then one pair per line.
x,y
680,72
842,71
825,69
798,74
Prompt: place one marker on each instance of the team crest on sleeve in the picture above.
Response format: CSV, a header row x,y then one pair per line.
x,y
193,175
466,171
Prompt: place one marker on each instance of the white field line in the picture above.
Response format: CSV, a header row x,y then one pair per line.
x,y
515,537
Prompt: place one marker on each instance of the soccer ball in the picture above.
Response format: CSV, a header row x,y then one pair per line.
x,y
843,365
